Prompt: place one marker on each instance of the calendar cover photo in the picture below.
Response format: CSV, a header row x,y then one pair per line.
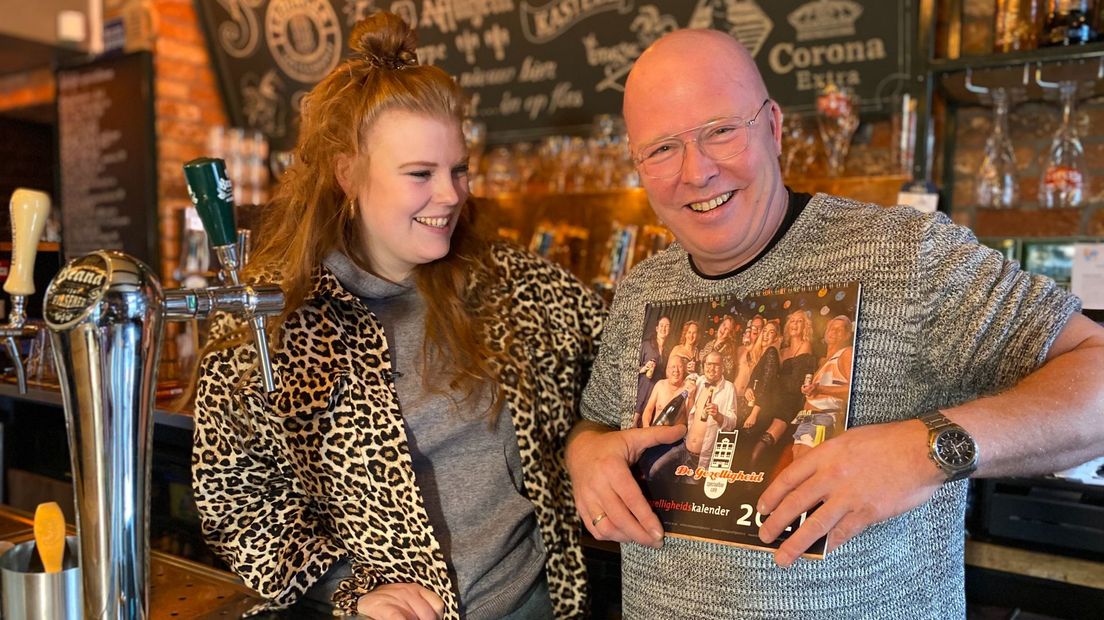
x,y
759,381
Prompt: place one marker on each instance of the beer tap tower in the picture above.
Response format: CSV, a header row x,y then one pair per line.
x,y
29,210
105,312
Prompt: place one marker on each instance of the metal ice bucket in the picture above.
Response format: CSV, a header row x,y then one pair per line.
x,y
31,594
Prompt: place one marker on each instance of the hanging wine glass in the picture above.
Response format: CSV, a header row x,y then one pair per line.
x,y
837,119
997,187
1063,181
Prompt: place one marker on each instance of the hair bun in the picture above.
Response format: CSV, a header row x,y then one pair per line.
x,y
384,41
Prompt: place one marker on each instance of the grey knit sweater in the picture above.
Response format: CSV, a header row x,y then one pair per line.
x,y
943,320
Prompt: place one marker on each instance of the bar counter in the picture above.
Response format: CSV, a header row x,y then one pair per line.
x,y
179,588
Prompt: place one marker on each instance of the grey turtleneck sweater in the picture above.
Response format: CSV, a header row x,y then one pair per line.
x,y
469,473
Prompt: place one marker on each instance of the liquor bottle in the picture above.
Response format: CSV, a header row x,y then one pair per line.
x,y
703,416
1068,22
671,410
1017,24
751,401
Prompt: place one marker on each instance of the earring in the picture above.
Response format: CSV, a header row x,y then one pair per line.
x,y
352,207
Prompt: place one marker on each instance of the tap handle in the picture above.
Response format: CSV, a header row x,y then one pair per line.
x,y
213,196
29,210
245,243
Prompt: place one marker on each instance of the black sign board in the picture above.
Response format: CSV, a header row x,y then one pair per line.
x,y
537,67
107,151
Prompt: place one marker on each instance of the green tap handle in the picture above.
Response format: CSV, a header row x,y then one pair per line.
x,y
213,196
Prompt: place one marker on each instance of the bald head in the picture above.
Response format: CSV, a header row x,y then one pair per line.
x,y
689,63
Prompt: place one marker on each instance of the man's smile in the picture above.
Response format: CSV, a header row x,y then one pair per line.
x,y
713,203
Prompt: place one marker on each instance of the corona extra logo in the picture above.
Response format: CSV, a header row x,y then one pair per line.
x,y
824,19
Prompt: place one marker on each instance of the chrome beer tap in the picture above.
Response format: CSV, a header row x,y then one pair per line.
x,y
213,196
105,313
29,210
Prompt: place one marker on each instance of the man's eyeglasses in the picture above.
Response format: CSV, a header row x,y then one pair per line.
x,y
719,139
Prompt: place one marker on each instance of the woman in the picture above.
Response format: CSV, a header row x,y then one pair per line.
x,y
421,374
762,392
798,362
654,353
688,344
725,344
827,392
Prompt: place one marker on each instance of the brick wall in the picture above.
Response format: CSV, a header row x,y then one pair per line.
x,y
187,104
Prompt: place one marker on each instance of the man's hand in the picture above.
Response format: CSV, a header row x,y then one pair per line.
x,y
866,475
607,497
401,601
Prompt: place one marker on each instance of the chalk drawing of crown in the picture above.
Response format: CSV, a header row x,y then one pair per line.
x,y
824,19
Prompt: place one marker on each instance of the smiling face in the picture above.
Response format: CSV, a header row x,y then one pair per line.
x,y
722,212
410,185
724,332
663,327
837,332
714,364
690,334
755,326
676,369
770,333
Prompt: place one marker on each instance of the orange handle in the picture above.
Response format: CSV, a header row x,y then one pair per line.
x,y
49,533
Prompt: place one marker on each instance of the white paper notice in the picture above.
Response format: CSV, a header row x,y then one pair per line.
x,y
1087,278
925,202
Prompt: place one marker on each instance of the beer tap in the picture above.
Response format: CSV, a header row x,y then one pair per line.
x,y
213,196
105,311
29,210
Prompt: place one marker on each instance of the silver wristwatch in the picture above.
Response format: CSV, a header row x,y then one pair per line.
x,y
950,447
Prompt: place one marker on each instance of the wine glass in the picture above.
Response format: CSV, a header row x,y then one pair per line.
x,y
1062,182
475,137
837,119
997,187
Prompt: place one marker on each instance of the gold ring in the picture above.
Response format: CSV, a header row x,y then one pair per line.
x,y
596,520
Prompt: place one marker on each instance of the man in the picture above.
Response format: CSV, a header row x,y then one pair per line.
x,y
945,326
713,409
666,390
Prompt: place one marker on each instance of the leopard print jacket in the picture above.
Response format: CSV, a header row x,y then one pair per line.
x,y
321,470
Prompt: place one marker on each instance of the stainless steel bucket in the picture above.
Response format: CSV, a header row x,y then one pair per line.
x,y
35,595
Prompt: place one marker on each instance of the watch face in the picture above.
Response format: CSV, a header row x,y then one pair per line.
x,y
956,448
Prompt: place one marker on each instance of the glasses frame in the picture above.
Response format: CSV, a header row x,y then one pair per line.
x,y
638,159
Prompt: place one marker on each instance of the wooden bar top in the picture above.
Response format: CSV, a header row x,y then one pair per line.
x,y
181,589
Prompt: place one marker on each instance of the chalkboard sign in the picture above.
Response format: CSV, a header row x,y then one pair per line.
x,y
537,67
107,152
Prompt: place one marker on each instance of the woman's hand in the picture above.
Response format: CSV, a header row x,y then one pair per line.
x,y
752,418
401,601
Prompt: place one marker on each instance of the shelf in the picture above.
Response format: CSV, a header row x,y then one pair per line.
x,y
44,246
1047,55
47,396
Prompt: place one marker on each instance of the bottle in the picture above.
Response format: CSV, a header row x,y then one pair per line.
x,y
808,381
671,410
1017,25
703,416
751,401
1068,22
